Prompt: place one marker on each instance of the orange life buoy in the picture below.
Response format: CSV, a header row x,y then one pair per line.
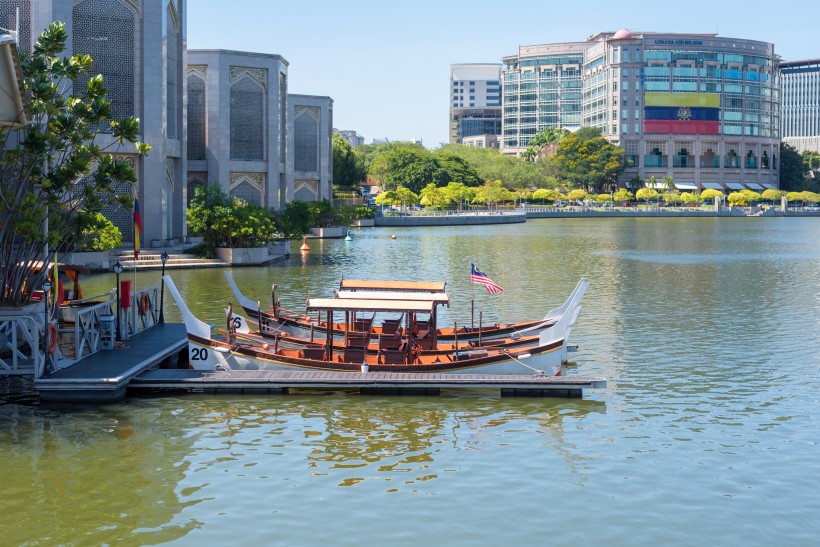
x,y
144,303
53,338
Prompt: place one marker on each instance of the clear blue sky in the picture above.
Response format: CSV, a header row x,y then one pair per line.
x,y
386,64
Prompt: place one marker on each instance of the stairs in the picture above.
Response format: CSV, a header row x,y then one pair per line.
x,y
151,260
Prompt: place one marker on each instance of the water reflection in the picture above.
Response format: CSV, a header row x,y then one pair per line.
x,y
91,475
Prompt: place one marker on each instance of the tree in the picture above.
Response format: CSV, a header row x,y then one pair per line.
x,y
432,195
100,235
454,168
493,193
400,196
347,168
689,198
635,183
409,166
772,195
588,160
623,195
710,194
545,195
458,193
55,176
791,168
225,221
545,137
579,195
646,194
491,164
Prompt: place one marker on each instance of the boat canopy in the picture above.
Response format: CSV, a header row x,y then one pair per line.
x,y
356,305
380,285
437,298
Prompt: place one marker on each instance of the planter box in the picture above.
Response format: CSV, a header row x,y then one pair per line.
x,y
251,256
195,240
278,249
97,261
329,232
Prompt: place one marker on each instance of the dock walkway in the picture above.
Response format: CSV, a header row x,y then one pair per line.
x,y
103,376
387,383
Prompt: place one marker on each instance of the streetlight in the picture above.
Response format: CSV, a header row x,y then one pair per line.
x,y
164,258
117,272
46,292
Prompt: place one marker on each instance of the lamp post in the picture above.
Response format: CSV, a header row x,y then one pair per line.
x,y
164,258
46,292
117,272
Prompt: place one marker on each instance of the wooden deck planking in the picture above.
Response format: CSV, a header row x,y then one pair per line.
x,y
254,380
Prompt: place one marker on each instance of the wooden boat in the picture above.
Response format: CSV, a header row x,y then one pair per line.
x,y
207,353
296,323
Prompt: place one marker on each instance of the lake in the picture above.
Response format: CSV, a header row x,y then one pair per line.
x,y
706,330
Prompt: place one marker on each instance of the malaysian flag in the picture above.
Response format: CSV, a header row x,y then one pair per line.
x,y
477,276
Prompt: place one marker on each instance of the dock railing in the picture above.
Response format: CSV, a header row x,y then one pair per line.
x,y
21,350
86,332
142,314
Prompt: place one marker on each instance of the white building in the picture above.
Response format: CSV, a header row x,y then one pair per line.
x,y
475,100
138,47
237,125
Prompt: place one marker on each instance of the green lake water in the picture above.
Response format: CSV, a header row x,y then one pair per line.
x,y
705,329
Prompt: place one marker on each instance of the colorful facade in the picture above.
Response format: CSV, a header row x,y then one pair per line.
x,y
700,108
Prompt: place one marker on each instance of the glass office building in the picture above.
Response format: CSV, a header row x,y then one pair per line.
x,y
475,101
801,104
701,108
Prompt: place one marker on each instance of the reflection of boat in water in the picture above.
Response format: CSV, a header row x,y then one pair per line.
x,y
206,353
280,319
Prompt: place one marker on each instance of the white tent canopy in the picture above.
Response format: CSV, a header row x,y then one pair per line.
x,y
685,186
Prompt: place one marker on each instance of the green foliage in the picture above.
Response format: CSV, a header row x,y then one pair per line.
x,y
491,164
579,195
646,194
400,196
545,137
52,154
791,168
493,193
410,167
433,196
543,195
100,234
296,219
710,194
689,198
454,168
743,198
772,195
623,195
229,222
202,250
348,168
588,160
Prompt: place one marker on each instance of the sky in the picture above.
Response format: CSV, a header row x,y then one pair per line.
x,y
386,64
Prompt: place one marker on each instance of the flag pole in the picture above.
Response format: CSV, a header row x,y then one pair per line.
x,y
472,298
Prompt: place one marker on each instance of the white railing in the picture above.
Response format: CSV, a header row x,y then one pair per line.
x,y
142,314
86,332
21,350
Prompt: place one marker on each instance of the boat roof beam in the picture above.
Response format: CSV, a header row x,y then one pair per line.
x,y
435,297
344,304
380,285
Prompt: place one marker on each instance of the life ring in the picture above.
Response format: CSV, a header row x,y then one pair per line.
x,y
144,303
53,338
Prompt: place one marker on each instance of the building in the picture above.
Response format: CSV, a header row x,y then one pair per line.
x,y
310,148
237,124
700,108
800,122
475,100
350,136
482,141
13,103
138,47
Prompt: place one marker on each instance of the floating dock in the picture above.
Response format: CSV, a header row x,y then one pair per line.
x,y
366,383
105,375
